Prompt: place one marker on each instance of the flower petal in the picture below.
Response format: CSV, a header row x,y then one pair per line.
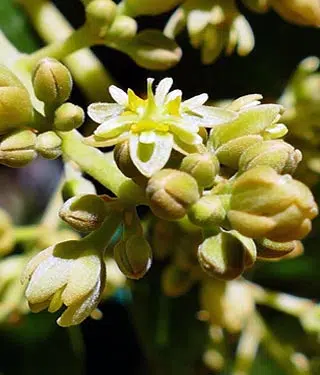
x,y
212,116
185,135
118,95
147,137
194,102
100,112
162,90
95,141
150,159
173,95
115,126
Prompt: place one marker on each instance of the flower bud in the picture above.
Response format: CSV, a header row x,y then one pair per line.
x,y
175,282
99,16
133,256
150,7
277,154
208,211
77,186
15,103
121,154
266,204
170,193
68,117
150,49
202,167
302,12
123,28
259,6
18,148
52,82
48,145
6,233
267,249
226,255
84,213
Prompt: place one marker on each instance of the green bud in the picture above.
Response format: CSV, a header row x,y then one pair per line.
x,y
175,282
149,7
77,186
133,256
6,233
227,254
123,28
259,6
208,211
99,16
15,103
84,213
123,160
266,204
18,148
267,249
150,49
171,193
52,82
49,145
202,167
68,117
277,154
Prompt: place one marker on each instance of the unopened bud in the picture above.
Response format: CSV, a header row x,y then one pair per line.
x,y
48,145
68,117
84,213
77,186
171,192
175,282
52,82
123,160
208,211
202,167
6,233
133,256
267,249
100,15
150,7
123,28
18,148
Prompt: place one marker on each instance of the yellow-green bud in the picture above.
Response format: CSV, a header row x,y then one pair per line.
x,y
123,160
150,49
267,249
277,154
133,256
18,148
77,186
68,117
48,145
208,211
171,192
99,16
150,7
227,254
259,6
15,103
123,28
203,167
266,204
6,233
84,213
175,282
52,82
302,12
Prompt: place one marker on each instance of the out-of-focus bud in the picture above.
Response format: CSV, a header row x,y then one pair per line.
x,y
149,7
266,204
99,16
77,186
18,148
171,192
202,167
123,28
68,117
277,154
267,249
48,145
15,104
162,238
84,213
208,211
302,12
259,6
52,82
175,282
150,49
186,249
133,256
229,304
6,233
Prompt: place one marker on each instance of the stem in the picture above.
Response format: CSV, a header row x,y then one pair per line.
x,y
8,52
27,233
97,165
52,26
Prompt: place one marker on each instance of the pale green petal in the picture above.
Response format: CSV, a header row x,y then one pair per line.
x,y
37,307
84,274
245,101
185,135
150,158
115,126
34,262
194,102
147,137
118,95
95,141
212,116
162,90
100,112
245,36
173,95
185,148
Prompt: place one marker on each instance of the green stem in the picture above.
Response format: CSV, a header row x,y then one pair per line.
x,y
97,165
27,233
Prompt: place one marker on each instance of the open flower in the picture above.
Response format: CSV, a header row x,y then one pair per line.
x,y
155,125
69,274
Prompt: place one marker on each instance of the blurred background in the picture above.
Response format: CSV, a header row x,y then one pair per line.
x,y
36,345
